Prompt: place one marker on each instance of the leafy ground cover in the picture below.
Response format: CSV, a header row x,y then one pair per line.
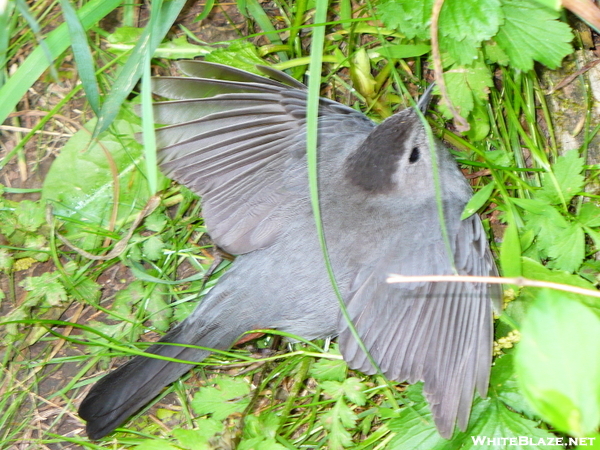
x,y
72,171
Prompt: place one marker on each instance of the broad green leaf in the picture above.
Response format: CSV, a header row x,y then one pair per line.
x,y
474,20
504,385
400,51
558,362
565,181
532,33
478,200
491,426
80,182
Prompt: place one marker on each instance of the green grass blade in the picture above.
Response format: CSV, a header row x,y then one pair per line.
x,y
36,63
132,70
83,55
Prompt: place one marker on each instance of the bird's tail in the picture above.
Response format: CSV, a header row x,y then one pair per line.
x,y
124,391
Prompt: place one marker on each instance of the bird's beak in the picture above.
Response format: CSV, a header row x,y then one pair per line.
x,y
425,99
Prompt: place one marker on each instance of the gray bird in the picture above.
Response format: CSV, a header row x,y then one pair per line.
x,y
238,140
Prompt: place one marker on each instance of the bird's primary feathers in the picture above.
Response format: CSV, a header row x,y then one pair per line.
x,y
238,140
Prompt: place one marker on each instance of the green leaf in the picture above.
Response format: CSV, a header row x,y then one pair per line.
x,y
494,53
198,439
565,181
80,183
227,397
329,370
492,426
567,249
531,33
354,391
553,4
478,200
335,421
155,444
242,55
474,20
158,308
589,215
558,362
30,215
400,51
46,288
410,17
459,52
153,248
504,385
466,84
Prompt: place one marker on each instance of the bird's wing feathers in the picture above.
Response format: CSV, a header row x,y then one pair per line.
x,y
437,332
234,140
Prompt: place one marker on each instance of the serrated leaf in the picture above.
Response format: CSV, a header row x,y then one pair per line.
x,y
494,53
558,362
198,439
354,391
589,215
153,248
465,84
505,386
228,397
240,54
410,17
457,52
475,20
30,215
567,248
158,309
565,181
335,421
478,200
329,370
46,288
531,33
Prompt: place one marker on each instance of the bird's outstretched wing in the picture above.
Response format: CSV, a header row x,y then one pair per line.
x,y
239,142
439,333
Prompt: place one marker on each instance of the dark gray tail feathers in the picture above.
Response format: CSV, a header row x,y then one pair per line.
x,y
126,390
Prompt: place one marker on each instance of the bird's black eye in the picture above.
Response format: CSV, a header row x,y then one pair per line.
x,y
414,155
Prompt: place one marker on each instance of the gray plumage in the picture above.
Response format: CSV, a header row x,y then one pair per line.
x,y
238,140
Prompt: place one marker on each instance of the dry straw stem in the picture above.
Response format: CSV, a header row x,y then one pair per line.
x,y
519,281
